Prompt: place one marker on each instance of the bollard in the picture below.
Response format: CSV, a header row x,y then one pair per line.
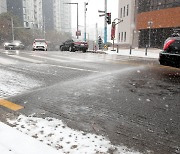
x,y
117,48
146,50
130,50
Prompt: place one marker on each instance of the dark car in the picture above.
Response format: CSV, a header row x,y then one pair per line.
x,y
14,45
74,45
171,52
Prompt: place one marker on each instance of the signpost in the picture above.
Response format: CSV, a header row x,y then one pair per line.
x,y
113,29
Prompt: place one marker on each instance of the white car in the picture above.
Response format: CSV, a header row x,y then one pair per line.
x,y
40,44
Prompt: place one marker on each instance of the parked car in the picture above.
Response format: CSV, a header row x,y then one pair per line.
x,y
40,44
14,45
74,45
171,52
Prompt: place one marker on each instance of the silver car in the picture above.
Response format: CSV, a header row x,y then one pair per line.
x,y
13,45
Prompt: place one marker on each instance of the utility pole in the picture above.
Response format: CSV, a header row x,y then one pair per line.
x,y
96,33
44,28
85,10
12,23
150,26
105,22
77,21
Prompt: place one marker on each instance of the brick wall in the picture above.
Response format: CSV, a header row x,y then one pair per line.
x,y
164,18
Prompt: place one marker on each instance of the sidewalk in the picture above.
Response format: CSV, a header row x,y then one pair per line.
x,y
13,141
151,53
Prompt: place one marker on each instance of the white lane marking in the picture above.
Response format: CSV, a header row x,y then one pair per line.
x,y
54,59
26,59
6,61
97,59
78,59
74,68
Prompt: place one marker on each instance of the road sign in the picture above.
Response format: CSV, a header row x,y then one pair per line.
x,y
113,30
101,11
78,33
101,15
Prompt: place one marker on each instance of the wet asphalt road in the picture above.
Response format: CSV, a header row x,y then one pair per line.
x,y
133,101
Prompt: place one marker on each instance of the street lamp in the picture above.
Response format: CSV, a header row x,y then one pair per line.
x,y
12,23
150,26
77,32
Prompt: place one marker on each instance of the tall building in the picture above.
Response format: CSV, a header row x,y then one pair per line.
x,y
32,13
57,15
3,6
156,21
47,7
127,34
65,16
28,11
62,15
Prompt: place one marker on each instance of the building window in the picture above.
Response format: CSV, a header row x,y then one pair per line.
x,y
121,36
124,11
127,10
121,13
124,36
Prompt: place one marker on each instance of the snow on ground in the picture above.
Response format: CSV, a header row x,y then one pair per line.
x,y
12,83
56,134
13,141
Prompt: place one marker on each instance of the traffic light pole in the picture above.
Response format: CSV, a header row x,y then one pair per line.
x,y
105,22
85,10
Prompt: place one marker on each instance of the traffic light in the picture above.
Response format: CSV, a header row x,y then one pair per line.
x,y
108,20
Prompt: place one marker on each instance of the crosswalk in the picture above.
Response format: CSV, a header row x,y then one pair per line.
x,y
43,57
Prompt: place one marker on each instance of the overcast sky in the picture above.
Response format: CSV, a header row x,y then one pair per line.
x,y
92,13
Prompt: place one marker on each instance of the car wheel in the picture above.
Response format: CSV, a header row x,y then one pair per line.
x,y
162,62
70,49
61,48
84,50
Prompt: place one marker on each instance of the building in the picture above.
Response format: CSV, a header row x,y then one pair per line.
x,y
57,15
127,35
48,14
62,15
16,8
3,6
65,16
32,14
28,11
156,21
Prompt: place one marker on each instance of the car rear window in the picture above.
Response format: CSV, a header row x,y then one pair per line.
x,y
39,41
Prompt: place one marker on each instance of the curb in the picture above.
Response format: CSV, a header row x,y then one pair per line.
x,y
99,52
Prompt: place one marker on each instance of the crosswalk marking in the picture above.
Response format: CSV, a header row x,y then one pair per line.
x,y
61,58
6,61
26,59
10,105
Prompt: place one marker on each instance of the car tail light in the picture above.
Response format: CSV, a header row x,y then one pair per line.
x,y
168,43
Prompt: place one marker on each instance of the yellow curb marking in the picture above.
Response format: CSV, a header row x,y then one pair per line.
x,y
10,105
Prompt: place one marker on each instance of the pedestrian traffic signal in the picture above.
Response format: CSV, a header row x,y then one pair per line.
x,y
108,20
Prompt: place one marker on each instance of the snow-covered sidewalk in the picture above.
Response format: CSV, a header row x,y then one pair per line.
x,y
32,135
13,141
151,52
